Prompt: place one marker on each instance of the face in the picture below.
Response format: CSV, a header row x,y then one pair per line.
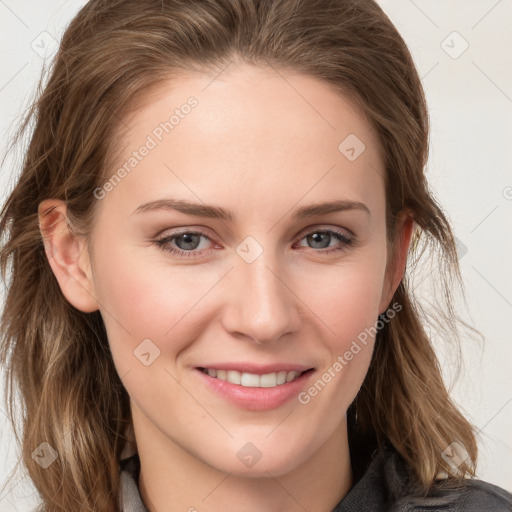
x,y
210,306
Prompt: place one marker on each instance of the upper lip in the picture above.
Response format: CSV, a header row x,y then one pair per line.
x,y
258,369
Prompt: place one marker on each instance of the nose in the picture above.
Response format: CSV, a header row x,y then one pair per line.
x,y
261,304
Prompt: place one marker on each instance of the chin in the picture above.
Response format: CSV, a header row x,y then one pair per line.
x,y
259,459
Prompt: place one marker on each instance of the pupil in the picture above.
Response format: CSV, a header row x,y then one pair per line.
x,y
189,241
317,238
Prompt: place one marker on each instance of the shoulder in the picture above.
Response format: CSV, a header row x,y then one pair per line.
x,y
468,495
449,494
387,485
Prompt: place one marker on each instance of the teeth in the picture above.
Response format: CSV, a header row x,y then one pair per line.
x,y
290,376
249,380
252,380
233,376
268,380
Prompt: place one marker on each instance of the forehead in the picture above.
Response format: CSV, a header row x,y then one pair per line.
x,y
251,135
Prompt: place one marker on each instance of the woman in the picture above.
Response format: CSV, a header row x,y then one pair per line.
x,y
208,305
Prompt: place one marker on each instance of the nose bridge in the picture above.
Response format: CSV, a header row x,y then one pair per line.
x,y
262,306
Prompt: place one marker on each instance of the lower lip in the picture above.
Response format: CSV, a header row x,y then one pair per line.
x,y
256,399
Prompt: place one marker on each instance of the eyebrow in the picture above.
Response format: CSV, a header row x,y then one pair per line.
x,y
217,212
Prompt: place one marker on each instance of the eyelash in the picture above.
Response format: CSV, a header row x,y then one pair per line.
x,y
163,242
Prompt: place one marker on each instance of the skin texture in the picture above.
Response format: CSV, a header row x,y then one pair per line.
x,y
255,146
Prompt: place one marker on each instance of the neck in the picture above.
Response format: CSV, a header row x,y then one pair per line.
x,y
174,480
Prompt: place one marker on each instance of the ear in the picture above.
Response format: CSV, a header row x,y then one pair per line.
x,y
67,255
396,266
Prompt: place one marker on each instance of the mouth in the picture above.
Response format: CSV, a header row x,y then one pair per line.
x,y
254,380
256,388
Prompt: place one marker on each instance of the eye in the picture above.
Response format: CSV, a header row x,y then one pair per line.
x,y
321,239
187,244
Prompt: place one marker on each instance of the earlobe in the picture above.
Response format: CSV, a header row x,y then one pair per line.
x,y
396,268
67,255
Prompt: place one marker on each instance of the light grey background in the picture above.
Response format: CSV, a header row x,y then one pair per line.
x,y
469,91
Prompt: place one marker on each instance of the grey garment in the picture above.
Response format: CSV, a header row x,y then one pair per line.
x,y
383,487
388,486
130,500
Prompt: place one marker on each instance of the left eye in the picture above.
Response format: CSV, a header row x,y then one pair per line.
x,y
188,241
185,244
320,237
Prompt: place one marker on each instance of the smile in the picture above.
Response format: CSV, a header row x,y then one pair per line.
x,y
253,380
255,387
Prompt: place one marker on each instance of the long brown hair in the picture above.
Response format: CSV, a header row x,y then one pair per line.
x,y
111,55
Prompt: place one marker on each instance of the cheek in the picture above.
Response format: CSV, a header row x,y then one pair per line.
x,y
355,307
348,306
141,301
347,297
